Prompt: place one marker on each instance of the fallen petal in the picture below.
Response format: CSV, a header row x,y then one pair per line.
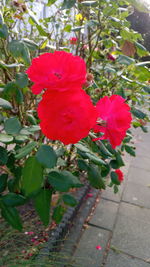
x,y
98,247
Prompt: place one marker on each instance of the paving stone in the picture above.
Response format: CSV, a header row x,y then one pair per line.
x,y
141,162
86,254
145,137
132,231
109,194
105,214
120,260
137,190
137,194
139,176
140,151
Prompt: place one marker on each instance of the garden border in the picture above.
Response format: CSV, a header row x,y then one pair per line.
x,y
58,235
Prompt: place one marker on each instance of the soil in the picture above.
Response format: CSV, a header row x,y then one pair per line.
x,y
19,248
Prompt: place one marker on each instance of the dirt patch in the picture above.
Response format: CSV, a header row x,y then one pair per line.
x,y
20,248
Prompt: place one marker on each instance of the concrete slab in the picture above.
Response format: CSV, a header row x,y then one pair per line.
x,y
109,194
139,176
143,150
121,260
137,194
86,254
132,231
141,162
105,214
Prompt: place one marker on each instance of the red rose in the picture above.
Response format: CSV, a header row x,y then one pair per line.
x,y
57,71
120,175
115,119
66,116
73,40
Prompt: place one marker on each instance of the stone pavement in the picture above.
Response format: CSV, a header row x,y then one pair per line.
x,y
121,223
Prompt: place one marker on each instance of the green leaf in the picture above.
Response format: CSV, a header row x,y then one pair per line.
x,y
14,184
11,90
19,139
11,215
58,213
122,59
119,159
67,28
89,3
138,113
30,44
33,16
34,128
69,200
3,156
68,4
3,31
92,157
12,125
32,176
130,150
3,182
60,152
63,181
44,44
82,165
77,29
103,149
82,147
114,178
94,176
24,151
86,153
42,205
42,31
31,119
5,138
12,200
46,156
144,129
11,161
19,49
141,50
142,64
105,170
116,189
142,73
5,104
109,69
22,79
146,89
51,2
114,164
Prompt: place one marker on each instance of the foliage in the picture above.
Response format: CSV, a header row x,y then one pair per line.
x,y
33,167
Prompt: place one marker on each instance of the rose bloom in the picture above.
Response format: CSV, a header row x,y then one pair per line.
x,y
57,71
66,116
111,57
73,40
114,119
120,175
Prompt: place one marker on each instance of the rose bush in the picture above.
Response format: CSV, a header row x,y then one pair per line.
x,y
53,93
